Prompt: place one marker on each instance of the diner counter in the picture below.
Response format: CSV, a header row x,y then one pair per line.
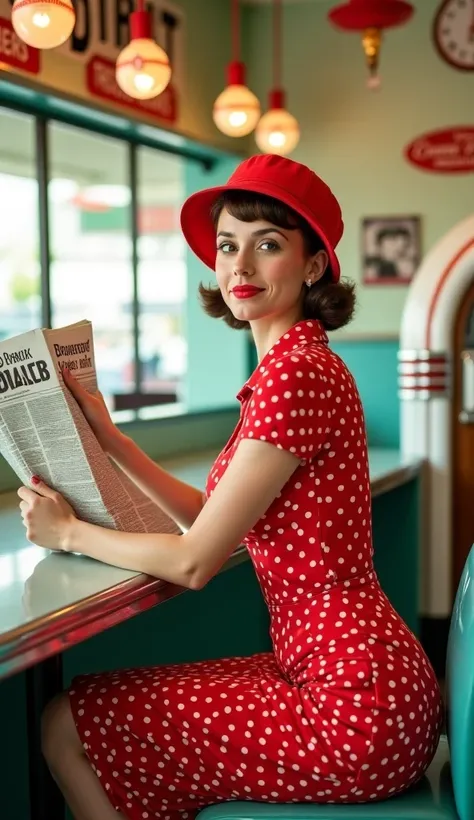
x,y
51,601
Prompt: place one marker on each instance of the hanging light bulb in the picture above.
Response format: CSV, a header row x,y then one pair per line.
x,y
43,23
278,131
142,69
236,110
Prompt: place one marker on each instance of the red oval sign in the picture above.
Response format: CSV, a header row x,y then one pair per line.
x,y
447,151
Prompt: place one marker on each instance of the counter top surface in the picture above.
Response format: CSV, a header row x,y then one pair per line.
x,y
50,601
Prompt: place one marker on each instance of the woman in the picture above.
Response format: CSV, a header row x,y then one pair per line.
x,y
346,708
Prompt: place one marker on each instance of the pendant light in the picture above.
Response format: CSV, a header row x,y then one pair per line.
x,y
142,69
278,131
43,23
371,17
236,110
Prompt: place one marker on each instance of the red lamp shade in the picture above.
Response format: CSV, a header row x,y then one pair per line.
x,y
371,17
357,15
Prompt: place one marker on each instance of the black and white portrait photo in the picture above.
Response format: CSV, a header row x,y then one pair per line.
x,y
390,249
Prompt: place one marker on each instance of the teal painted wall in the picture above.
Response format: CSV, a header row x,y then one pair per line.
x,y
374,366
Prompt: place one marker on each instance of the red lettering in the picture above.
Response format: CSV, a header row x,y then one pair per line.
x,y
15,52
12,46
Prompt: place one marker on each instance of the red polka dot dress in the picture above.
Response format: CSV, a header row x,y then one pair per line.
x,y
346,708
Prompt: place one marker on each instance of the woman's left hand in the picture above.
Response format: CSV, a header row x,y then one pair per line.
x,y
46,515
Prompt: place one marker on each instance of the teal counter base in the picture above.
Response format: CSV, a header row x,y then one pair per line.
x,y
396,536
14,785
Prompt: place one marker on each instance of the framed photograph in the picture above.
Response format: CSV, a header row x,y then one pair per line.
x,y
391,249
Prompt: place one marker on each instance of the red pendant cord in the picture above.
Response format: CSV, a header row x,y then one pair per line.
x,y
235,69
277,96
235,22
140,22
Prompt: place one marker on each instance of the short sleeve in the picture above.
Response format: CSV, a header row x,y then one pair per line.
x,y
291,407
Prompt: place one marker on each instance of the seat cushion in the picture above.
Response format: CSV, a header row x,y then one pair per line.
x,y
431,799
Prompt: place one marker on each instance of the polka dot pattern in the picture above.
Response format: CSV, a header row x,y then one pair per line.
x,y
346,708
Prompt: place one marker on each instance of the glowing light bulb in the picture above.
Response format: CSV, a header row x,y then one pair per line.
x,y
236,110
42,24
238,118
41,19
144,82
278,131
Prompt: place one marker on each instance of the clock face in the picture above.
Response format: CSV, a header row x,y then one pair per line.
x,y
454,33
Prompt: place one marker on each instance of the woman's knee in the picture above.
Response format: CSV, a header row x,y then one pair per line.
x,y
58,730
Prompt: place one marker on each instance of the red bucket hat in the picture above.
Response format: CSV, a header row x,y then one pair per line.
x,y
290,182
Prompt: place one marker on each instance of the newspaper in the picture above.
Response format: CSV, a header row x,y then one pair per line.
x,y
44,432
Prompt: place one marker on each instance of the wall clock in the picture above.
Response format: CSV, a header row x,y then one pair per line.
x,y
453,33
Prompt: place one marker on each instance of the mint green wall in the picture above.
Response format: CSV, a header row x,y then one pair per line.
x,y
217,363
355,138
374,366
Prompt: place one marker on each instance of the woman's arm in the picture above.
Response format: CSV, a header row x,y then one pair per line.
x,y
180,500
255,476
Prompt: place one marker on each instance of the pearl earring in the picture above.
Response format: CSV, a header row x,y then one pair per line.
x,y
309,282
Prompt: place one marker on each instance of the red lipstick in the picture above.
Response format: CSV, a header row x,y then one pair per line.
x,y
245,291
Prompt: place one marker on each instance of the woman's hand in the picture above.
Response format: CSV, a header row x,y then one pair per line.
x,y
47,516
95,410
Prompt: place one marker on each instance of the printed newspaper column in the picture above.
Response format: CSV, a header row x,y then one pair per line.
x,y
44,432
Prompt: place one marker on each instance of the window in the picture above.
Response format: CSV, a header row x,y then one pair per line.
x,y
91,270
95,234
161,276
20,291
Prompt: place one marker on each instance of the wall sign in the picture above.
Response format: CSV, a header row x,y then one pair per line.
x,y
446,151
453,33
14,52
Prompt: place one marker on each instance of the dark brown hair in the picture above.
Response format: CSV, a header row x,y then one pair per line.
x,y
331,302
